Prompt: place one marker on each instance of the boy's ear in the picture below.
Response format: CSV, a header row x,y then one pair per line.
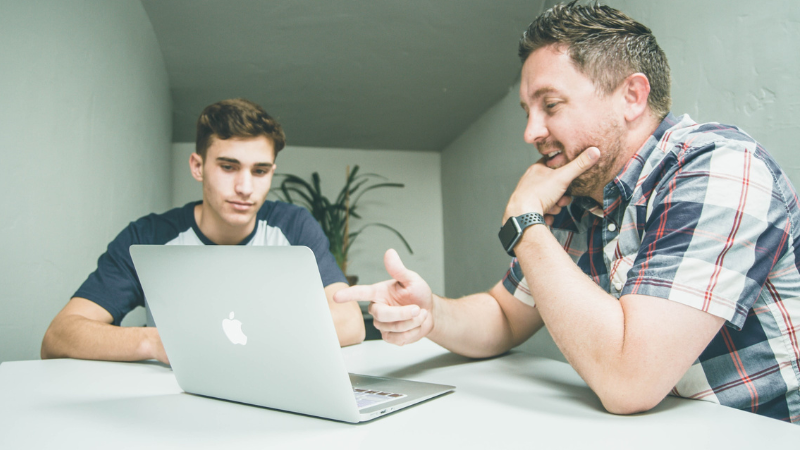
x,y
196,166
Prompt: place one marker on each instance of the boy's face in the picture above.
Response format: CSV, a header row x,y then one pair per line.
x,y
236,176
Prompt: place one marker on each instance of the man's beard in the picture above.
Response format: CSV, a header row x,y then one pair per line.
x,y
609,141
600,174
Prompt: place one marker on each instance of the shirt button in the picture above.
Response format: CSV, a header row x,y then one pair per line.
x,y
612,227
618,285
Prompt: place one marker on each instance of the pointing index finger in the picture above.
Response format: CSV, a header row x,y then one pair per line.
x,y
373,293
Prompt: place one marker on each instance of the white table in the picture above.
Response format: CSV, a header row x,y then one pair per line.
x,y
514,401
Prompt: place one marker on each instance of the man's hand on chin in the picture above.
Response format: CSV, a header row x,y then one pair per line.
x,y
542,189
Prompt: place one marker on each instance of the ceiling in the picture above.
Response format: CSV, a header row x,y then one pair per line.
x,y
367,74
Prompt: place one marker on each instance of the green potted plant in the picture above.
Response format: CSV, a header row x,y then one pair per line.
x,y
334,217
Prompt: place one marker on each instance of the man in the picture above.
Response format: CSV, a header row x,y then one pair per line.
x,y
687,233
237,143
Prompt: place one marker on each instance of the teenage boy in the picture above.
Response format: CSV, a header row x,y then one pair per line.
x,y
237,143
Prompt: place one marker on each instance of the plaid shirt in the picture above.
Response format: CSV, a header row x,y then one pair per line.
x,y
703,216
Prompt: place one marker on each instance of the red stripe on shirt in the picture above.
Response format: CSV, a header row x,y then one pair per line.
x,y
737,362
737,222
787,318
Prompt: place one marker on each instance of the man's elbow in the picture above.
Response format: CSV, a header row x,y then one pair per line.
x,y
358,331
353,331
361,333
629,401
48,349
56,343
353,338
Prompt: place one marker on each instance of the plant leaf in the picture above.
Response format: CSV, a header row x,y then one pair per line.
x,y
355,234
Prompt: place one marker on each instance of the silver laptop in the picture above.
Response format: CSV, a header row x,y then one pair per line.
x,y
252,325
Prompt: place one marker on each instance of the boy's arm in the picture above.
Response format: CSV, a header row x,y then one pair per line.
x,y
347,317
84,330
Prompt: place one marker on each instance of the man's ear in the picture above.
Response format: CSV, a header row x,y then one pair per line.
x,y
635,92
196,166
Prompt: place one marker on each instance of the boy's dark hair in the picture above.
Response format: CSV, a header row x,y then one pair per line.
x,y
236,118
605,45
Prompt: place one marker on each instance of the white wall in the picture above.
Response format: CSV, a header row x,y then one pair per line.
x,y
732,61
85,121
415,210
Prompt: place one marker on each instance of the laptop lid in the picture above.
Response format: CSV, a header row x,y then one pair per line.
x,y
252,324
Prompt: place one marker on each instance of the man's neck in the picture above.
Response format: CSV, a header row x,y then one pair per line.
x,y
217,230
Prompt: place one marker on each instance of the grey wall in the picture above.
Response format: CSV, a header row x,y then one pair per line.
x,y
85,122
415,210
732,61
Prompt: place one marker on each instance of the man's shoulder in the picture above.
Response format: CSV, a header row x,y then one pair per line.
x,y
292,221
277,213
714,163
277,208
686,137
687,148
160,228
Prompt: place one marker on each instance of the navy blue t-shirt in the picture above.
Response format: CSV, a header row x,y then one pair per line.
x,y
115,285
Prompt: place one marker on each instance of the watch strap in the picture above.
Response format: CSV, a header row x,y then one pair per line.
x,y
517,224
529,219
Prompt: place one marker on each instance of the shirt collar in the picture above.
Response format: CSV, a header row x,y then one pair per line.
x,y
622,186
626,179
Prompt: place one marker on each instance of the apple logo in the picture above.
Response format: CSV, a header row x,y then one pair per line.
x,y
233,329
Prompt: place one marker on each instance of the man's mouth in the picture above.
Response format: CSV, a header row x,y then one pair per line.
x,y
555,159
240,206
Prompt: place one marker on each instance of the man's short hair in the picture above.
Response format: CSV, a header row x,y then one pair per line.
x,y
236,118
605,45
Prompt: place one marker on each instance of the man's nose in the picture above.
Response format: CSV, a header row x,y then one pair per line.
x,y
244,184
535,129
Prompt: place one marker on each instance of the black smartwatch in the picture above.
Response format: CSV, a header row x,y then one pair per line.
x,y
511,232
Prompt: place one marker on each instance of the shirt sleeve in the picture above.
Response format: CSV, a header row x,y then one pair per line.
x,y
114,284
306,231
715,227
515,284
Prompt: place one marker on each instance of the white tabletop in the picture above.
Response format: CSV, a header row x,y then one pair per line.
x,y
505,402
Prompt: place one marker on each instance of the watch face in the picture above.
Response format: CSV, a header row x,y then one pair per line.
x,y
508,232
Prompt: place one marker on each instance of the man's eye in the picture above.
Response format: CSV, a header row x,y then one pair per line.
x,y
260,172
226,167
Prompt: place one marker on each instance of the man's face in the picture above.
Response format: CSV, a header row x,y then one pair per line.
x,y
236,176
566,115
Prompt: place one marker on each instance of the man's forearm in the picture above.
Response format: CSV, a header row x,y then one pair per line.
x,y
347,317
473,326
586,322
349,323
75,336
630,351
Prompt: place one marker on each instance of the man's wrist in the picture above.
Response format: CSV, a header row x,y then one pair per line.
x,y
530,238
435,300
149,343
514,228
